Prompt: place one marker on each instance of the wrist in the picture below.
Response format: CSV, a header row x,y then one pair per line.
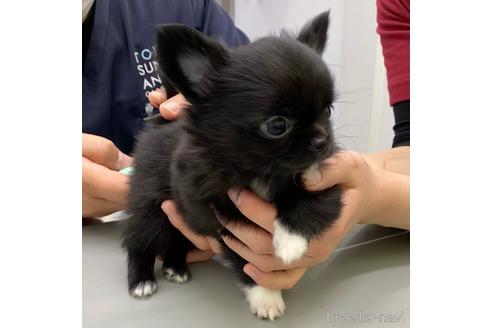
x,y
374,199
390,204
395,160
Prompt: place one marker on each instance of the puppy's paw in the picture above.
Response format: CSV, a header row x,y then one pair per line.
x,y
177,276
288,246
265,303
143,289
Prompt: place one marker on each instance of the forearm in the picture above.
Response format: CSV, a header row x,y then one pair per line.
x,y
392,169
391,207
396,160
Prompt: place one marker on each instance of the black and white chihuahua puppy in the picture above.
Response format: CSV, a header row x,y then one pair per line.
x,y
259,118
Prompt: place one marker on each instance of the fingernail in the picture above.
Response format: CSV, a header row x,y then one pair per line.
x,y
166,207
215,245
330,161
123,160
172,106
251,271
157,97
235,196
312,176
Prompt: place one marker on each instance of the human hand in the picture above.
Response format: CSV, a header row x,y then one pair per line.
x,y
360,188
104,189
365,195
356,177
372,194
256,246
171,108
206,247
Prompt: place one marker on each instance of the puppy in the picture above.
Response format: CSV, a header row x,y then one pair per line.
x,y
259,117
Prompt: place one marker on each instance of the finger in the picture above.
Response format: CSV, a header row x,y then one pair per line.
x,y
101,182
265,262
254,208
322,246
214,245
102,151
95,207
338,169
172,108
197,255
178,222
282,279
257,239
157,97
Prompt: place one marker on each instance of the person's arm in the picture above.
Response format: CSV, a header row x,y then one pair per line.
x,y
393,19
394,193
393,167
374,194
396,160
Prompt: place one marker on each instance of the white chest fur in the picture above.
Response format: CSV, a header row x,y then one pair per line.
x,y
288,246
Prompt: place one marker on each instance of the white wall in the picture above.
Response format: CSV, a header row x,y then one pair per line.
x,y
363,119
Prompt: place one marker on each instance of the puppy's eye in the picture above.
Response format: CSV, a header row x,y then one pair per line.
x,y
328,110
275,126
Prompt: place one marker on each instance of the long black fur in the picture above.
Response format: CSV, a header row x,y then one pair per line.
x,y
220,143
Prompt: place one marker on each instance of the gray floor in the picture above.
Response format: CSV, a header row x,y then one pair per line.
x,y
365,283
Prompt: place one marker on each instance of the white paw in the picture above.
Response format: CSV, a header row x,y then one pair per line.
x,y
264,302
144,289
288,246
173,276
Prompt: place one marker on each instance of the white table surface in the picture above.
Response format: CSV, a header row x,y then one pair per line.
x,y
365,283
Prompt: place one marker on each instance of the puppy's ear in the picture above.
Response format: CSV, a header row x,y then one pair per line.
x,y
313,34
188,59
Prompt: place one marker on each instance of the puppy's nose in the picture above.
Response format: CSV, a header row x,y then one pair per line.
x,y
318,143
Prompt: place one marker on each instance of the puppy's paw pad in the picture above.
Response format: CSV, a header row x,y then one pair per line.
x,y
144,289
289,246
265,303
179,277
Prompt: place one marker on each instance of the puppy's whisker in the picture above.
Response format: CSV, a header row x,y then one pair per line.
x,y
336,128
352,91
345,102
350,137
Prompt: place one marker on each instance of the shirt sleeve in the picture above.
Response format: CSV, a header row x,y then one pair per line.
x,y
393,17
213,21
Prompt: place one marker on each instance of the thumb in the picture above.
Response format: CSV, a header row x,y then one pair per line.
x,y
281,279
157,97
172,108
103,152
338,169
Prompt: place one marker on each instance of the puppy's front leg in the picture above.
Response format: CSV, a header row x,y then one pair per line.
x,y
302,216
199,216
190,190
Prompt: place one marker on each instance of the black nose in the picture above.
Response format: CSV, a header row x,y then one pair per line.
x,y
318,143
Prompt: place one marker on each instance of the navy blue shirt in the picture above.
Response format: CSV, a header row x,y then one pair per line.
x,y
119,69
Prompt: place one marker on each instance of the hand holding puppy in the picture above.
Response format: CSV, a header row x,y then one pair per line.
x,y
171,108
104,189
364,198
264,267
